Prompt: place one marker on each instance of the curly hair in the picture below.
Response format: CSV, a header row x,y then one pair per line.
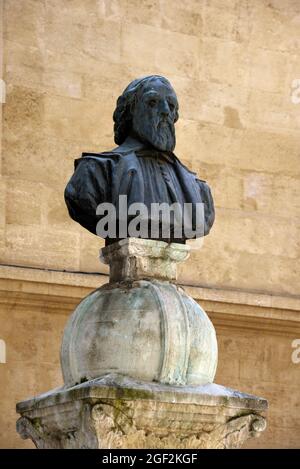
x,y
125,104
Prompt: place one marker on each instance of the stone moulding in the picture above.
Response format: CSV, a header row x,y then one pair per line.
x,y
115,411
59,292
134,258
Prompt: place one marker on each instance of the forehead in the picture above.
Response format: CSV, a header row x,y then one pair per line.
x,y
156,86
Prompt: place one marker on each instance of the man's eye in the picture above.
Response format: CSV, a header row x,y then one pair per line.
x,y
171,106
152,102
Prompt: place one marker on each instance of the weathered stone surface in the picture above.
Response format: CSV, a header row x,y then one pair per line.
x,y
118,412
255,329
148,330
162,334
135,259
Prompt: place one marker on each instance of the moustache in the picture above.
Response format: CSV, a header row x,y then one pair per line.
x,y
164,122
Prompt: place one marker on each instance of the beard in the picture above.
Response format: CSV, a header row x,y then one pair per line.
x,y
159,132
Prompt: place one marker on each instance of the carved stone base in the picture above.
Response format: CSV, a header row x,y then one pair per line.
x,y
140,324
118,412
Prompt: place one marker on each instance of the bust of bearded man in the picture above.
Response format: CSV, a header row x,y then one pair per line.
x,y
143,167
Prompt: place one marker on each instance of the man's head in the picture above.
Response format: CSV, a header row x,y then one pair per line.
x,y
147,109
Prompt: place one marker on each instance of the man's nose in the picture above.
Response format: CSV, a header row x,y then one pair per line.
x,y
164,109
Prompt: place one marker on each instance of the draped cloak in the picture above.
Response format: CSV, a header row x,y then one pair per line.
x,y
141,173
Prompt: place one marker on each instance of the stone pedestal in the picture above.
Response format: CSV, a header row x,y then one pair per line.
x,y
140,324
135,259
119,412
139,358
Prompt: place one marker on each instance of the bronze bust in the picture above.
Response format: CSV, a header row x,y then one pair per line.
x,y
143,167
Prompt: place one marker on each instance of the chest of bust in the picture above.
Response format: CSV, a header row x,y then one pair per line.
x,y
152,178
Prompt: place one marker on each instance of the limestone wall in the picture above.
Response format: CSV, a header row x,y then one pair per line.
x,y
233,64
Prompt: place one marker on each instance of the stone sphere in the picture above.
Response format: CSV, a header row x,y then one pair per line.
x,y
148,330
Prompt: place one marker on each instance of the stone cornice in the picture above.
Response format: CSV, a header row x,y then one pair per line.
x,y
57,291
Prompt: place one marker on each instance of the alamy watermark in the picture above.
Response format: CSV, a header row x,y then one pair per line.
x,y
2,351
159,221
295,95
296,352
2,91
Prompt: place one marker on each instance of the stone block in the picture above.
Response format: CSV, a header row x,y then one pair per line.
x,y
179,55
27,17
23,112
23,60
209,143
221,23
135,259
291,6
36,246
109,46
68,84
227,184
264,272
233,5
49,160
172,53
190,23
2,202
114,9
61,111
106,85
273,112
268,194
255,233
224,61
57,12
24,202
55,213
267,70
119,412
282,26
89,253
143,13
270,151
